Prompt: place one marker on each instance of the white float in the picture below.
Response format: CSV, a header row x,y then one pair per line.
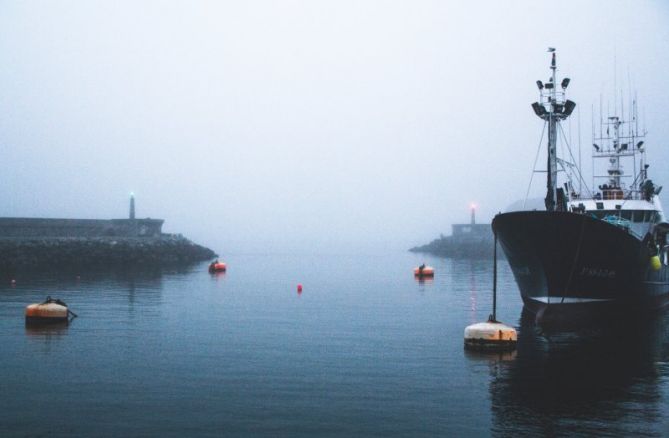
x,y
490,335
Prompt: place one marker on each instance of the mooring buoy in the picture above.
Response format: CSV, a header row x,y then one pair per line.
x,y
423,271
50,311
216,267
492,334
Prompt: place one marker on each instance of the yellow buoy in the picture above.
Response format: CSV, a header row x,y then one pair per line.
x,y
655,263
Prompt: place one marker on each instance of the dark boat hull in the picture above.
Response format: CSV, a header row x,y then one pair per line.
x,y
572,265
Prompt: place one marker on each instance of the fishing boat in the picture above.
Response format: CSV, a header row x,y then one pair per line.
x,y
592,250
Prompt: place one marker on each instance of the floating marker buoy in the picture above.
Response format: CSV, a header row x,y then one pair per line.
x,y
299,288
50,311
423,271
491,335
655,263
217,266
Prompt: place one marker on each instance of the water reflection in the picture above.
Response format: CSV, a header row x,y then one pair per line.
x,y
580,380
493,357
473,294
47,331
473,278
217,275
46,337
424,280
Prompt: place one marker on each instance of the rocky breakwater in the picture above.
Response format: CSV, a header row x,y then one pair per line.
x,y
98,252
476,244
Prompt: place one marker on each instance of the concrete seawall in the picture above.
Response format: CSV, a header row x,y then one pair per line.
x,y
19,227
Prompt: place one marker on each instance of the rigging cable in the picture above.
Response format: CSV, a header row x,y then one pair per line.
x,y
534,167
580,175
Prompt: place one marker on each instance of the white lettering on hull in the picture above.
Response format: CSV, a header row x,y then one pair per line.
x,y
597,272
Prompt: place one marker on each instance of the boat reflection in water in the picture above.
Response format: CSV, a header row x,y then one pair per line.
x,y
582,380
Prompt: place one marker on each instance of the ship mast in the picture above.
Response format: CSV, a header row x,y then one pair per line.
x,y
551,181
621,141
553,108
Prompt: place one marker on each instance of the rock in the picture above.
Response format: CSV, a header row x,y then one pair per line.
x,y
82,252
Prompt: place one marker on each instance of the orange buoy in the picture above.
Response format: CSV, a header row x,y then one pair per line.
x,y
299,288
50,311
217,266
423,271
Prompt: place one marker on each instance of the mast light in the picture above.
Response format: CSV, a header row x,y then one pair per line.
x,y
565,83
638,145
540,85
569,107
539,109
594,145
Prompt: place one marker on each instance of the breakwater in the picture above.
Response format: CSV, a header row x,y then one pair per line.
x,y
98,252
467,241
21,227
448,246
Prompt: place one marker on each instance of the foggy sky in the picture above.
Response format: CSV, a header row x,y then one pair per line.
x,y
262,125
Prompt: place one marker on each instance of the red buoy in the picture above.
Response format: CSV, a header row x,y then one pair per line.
x,y
299,288
423,271
217,266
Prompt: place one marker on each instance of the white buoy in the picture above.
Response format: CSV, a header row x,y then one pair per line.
x,y
491,335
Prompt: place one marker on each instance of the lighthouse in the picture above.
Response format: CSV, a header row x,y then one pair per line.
x,y
132,206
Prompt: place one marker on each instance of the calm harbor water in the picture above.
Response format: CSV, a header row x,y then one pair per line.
x,y
364,350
